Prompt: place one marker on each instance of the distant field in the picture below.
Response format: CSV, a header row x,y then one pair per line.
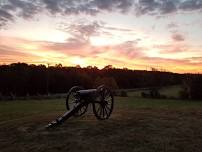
x,y
136,125
168,91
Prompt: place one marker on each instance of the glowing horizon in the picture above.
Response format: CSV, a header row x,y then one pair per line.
x,y
133,34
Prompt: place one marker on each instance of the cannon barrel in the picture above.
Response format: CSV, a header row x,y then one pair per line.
x,y
66,115
78,99
87,92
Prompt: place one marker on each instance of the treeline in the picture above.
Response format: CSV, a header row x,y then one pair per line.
x,y
192,87
21,79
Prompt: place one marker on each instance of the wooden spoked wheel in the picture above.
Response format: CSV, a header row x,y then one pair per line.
x,y
104,102
73,99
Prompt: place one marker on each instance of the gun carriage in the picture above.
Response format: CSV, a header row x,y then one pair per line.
x,y
78,100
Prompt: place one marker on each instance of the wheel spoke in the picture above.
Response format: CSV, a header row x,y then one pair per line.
x,y
107,95
103,112
106,111
108,107
98,109
108,99
72,101
106,103
109,104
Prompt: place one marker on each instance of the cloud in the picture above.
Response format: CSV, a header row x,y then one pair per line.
x,y
9,51
112,5
5,17
145,7
171,48
155,7
160,61
118,29
71,47
141,7
10,9
90,7
181,64
28,9
163,7
196,60
172,25
178,37
24,9
191,5
168,7
84,30
4,14
129,49
69,7
78,42
128,53
53,5
11,55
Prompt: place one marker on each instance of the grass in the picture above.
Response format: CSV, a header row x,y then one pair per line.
x,y
169,92
136,125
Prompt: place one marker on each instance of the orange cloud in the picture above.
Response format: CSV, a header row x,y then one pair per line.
x,y
127,54
171,48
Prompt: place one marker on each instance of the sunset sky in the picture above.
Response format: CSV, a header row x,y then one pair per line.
x,y
137,34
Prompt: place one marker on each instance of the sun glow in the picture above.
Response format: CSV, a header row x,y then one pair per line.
x,y
29,47
78,61
103,40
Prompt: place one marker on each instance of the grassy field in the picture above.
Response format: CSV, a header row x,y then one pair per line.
x,y
136,125
168,91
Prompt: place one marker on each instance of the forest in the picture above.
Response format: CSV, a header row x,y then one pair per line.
x,y
21,79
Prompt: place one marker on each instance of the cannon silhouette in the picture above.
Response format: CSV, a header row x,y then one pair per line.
x,y
78,100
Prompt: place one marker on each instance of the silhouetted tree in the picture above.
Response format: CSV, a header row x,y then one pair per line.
x,y
196,87
108,81
20,79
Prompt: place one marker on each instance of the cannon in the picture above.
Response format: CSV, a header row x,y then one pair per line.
x,y
78,100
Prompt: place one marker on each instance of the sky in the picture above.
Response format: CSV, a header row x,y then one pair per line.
x,y
135,34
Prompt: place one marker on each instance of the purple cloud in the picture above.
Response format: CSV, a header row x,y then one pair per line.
x,y
172,25
27,9
178,37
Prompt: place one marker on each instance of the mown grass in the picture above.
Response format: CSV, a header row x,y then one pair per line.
x,y
24,108
168,91
171,91
139,125
131,102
